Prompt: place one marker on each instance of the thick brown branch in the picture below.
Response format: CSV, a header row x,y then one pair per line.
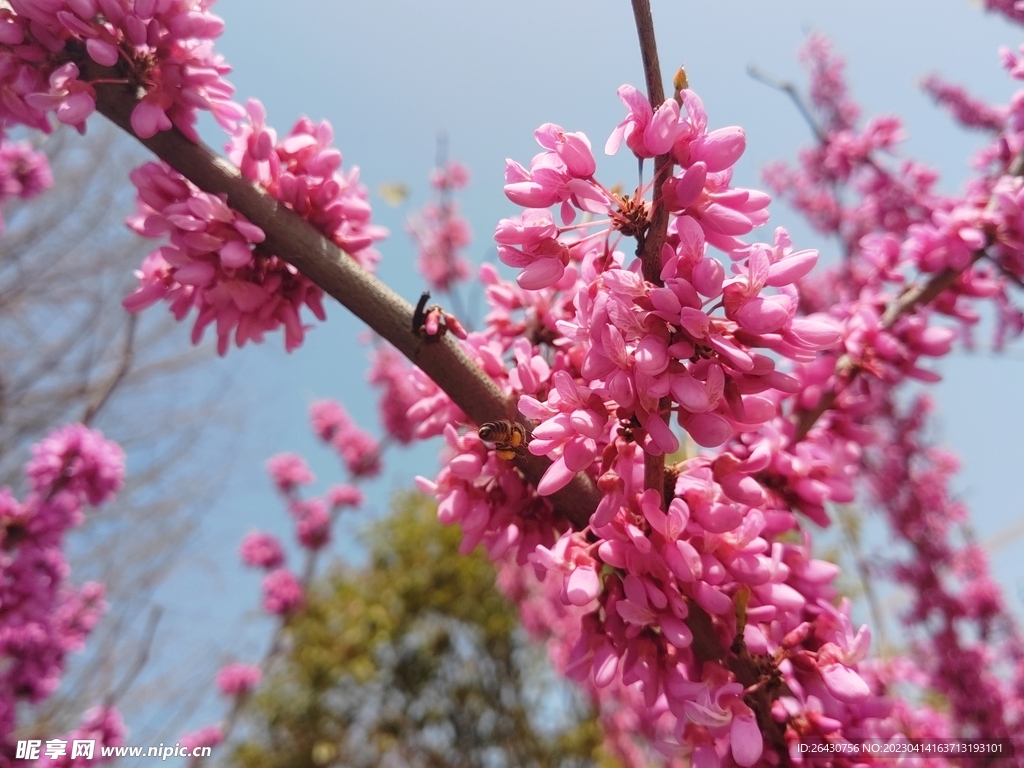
x,y
387,313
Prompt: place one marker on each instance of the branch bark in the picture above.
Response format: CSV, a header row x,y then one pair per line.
x,y
388,314
654,237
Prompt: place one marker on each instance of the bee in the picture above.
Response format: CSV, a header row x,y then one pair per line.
x,y
509,437
626,428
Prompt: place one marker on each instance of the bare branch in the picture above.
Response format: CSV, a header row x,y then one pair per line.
x,y
127,355
790,90
649,51
140,659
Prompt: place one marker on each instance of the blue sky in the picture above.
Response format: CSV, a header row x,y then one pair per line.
x,y
390,75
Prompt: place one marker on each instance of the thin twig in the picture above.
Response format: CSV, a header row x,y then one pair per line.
x,y
654,237
924,293
649,51
127,357
140,660
852,539
790,90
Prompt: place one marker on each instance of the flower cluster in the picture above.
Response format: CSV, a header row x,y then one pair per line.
x,y
24,173
303,171
951,585
162,47
439,231
601,361
358,450
101,725
866,425
261,550
238,679
681,596
45,617
214,262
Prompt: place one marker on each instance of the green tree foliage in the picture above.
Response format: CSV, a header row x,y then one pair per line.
x,y
415,659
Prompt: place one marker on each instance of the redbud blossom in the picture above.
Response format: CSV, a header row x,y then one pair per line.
x,y
238,679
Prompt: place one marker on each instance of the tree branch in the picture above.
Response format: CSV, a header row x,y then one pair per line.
x,y
648,51
790,90
127,356
654,237
296,241
140,660
924,293
918,295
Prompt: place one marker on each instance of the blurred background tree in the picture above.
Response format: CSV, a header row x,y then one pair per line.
x,y
415,659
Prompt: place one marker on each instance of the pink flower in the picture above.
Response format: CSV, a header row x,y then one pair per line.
x,y
560,174
530,241
646,132
328,417
261,550
238,679
149,118
282,592
568,557
207,736
573,421
289,471
312,523
344,496
838,657
70,99
77,459
724,709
